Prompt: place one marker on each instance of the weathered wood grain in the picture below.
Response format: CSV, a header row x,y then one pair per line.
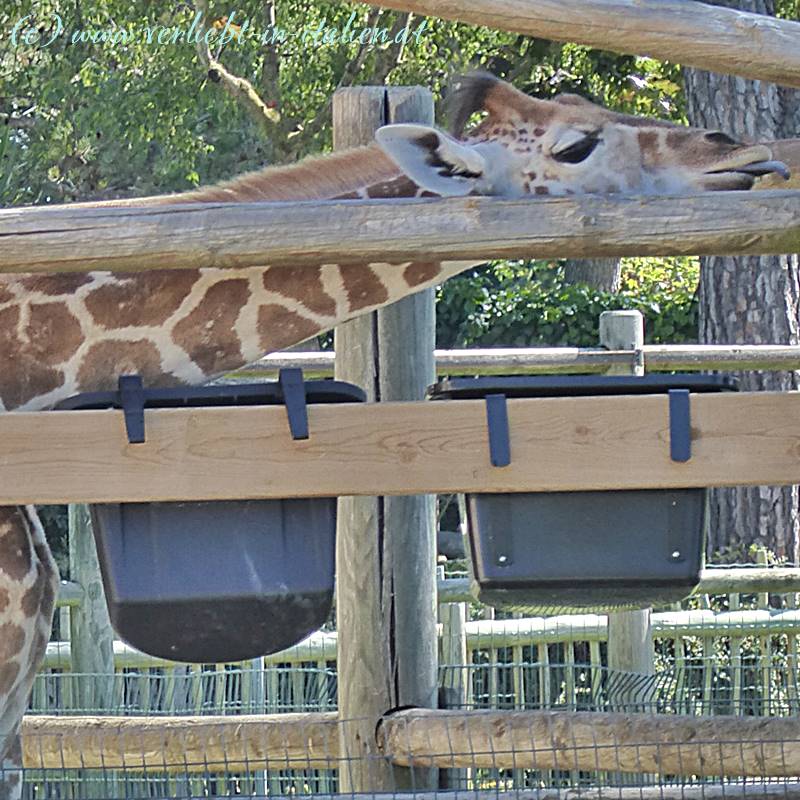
x,y
683,31
637,743
396,448
182,744
238,235
550,360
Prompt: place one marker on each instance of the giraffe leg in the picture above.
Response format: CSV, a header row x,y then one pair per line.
x,y
11,770
28,585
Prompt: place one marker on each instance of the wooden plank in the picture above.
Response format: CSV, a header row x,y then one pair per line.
x,y
396,448
182,744
725,580
682,31
636,743
550,360
65,238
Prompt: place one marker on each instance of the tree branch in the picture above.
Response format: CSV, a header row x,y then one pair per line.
x,y
238,88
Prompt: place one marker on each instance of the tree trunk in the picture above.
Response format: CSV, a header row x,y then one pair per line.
x,y
749,299
599,273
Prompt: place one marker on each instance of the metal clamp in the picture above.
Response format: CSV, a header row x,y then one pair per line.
x,y
293,389
680,425
131,395
497,424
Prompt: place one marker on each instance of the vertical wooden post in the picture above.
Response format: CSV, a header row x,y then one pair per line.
x,y
454,654
630,647
91,635
385,552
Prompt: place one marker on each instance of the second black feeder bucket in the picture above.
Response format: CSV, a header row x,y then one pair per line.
x,y
572,552
217,581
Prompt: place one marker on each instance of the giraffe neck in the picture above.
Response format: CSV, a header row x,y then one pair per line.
x,y
68,333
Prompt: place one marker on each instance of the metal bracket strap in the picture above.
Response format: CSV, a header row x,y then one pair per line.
x,y
131,395
497,423
294,397
680,425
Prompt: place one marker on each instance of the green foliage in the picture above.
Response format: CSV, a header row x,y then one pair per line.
x,y
103,119
523,304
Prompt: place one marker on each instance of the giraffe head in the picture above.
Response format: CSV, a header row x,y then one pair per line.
x,y
564,146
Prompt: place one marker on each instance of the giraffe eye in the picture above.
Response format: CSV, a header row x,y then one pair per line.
x,y
718,137
579,151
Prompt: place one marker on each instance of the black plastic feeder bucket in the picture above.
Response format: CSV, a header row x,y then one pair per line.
x,y
586,551
217,581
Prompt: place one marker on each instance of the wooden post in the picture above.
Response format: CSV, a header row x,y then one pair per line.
x,y
386,547
454,654
91,634
630,647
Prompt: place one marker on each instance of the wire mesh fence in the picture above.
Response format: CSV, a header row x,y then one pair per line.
x,y
268,728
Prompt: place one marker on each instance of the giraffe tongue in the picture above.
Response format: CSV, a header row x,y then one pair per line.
x,y
759,168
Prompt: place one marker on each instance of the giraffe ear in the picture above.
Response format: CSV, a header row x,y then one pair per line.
x,y
433,160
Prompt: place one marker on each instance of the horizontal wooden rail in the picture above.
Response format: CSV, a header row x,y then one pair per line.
x,y
725,746
64,238
550,360
743,580
321,646
683,31
706,791
69,594
182,744
638,743
557,444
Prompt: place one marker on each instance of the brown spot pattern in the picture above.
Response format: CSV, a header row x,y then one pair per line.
x,y
362,286
538,132
8,674
541,190
15,548
12,639
303,284
107,360
5,599
54,333
146,298
401,186
648,145
22,374
418,272
61,284
280,327
207,333
6,295
31,600
38,650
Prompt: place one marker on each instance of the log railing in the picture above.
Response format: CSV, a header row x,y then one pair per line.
x,y
75,238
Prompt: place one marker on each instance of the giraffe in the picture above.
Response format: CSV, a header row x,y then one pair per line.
x,y
73,332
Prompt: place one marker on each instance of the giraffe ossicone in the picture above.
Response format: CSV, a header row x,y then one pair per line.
x,y
65,333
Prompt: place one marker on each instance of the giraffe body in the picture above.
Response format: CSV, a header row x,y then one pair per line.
x,y
67,333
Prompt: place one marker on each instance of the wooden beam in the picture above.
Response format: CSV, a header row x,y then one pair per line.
x,y
683,31
557,444
182,744
638,743
727,580
62,239
551,360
